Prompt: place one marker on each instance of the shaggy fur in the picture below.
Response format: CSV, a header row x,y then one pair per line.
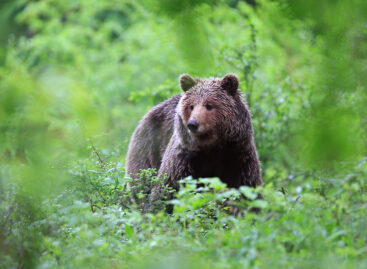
x,y
221,144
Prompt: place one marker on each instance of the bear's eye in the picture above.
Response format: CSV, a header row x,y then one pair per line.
x,y
191,107
208,107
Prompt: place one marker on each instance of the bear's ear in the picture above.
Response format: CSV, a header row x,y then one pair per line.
x,y
230,83
187,82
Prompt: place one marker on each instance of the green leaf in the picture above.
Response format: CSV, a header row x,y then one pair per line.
x,y
129,231
248,192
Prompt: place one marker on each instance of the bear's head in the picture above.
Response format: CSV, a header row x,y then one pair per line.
x,y
211,110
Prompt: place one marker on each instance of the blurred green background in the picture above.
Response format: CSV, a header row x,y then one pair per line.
x,y
76,76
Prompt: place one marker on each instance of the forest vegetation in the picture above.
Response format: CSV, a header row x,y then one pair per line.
x,y
76,76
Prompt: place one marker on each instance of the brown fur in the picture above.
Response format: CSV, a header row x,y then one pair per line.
x,y
223,145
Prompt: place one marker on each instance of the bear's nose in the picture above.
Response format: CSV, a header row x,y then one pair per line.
x,y
193,125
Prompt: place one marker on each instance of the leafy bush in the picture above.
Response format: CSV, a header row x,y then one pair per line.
x,y
106,185
296,224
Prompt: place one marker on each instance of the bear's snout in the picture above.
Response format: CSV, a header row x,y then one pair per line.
x,y
193,125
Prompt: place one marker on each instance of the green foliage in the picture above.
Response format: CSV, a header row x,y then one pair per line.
x,y
104,184
304,224
76,77
155,95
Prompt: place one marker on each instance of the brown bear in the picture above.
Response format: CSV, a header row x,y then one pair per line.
x,y
204,132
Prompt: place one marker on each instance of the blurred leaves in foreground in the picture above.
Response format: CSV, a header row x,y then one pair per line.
x,y
335,125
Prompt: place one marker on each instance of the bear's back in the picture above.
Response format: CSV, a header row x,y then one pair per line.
x,y
150,139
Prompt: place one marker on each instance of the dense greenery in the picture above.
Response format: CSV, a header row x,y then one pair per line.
x,y
77,75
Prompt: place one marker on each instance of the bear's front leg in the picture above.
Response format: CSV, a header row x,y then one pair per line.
x,y
174,164
174,167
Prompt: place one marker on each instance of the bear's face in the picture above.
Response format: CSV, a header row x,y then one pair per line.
x,y
208,107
